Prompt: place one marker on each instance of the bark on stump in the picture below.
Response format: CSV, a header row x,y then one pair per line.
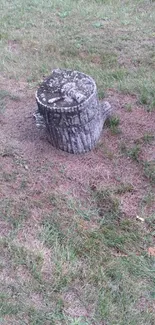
x,y
68,105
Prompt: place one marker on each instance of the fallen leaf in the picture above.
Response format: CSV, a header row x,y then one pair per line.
x,y
151,251
140,219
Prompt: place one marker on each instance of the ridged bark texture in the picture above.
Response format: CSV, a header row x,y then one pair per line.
x,y
75,129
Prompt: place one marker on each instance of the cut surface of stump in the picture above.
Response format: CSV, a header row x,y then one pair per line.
x,y
68,106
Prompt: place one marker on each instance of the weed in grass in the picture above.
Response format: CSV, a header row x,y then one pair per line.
x,y
37,204
109,59
148,138
132,153
106,151
148,167
2,107
8,177
21,216
15,98
77,321
3,36
24,184
3,94
82,210
144,100
7,308
6,94
123,188
13,212
20,256
113,123
128,107
148,199
151,222
2,102
58,201
71,207
107,204
33,77
118,74
113,239
101,93
149,170
123,148
53,200
118,232
147,97
62,169
20,161
120,293
51,233
8,151
38,317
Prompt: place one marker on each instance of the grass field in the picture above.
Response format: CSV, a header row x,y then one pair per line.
x,y
77,232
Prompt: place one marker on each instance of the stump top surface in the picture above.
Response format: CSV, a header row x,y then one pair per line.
x,y
65,88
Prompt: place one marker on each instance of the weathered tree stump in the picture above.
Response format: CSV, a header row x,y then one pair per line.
x,y
68,105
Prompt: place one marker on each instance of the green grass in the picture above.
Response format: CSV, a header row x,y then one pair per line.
x,y
13,212
148,138
113,123
106,269
107,39
134,153
108,205
149,171
124,188
4,94
73,257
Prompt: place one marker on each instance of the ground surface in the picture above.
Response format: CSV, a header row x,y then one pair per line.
x,y
77,231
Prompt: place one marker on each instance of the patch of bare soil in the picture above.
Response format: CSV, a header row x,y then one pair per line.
x,y
26,151
32,171
73,305
4,229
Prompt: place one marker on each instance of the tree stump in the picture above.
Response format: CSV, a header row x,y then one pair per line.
x,y
68,105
